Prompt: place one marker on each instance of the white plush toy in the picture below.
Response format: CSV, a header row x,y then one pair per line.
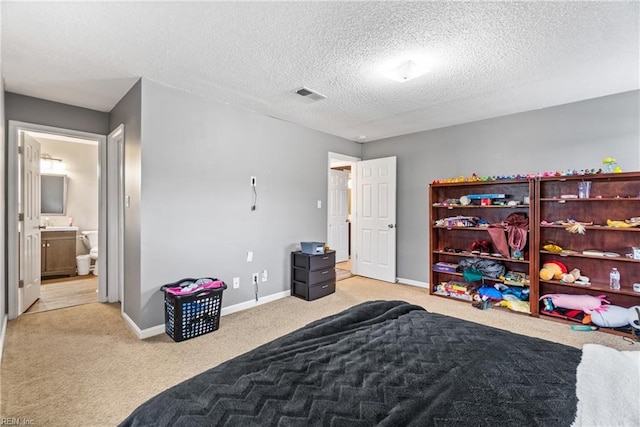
x,y
613,316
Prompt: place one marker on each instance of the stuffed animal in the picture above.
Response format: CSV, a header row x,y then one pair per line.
x,y
552,270
571,276
587,303
613,316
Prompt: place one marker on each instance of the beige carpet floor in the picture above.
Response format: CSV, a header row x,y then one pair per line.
x,y
83,366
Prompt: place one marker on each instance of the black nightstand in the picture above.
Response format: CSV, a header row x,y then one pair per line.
x,y
313,276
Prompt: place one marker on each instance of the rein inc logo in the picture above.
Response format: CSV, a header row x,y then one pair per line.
x,y
16,421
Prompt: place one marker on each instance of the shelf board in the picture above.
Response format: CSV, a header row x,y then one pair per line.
x,y
556,319
467,254
591,199
480,182
580,255
593,227
617,176
599,287
493,306
463,228
481,207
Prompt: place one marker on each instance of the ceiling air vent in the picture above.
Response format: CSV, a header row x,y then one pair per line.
x,y
310,94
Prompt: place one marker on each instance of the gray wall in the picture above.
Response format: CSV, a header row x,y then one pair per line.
x,y
571,136
39,111
129,112
197,159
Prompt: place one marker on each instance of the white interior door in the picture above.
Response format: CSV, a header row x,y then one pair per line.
x,y
30,231
338,233
376,218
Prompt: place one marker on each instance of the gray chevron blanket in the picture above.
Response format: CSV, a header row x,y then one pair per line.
x,y
386,363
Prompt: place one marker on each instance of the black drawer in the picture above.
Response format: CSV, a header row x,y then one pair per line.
x,y
315,291
314,262
322,289
313,277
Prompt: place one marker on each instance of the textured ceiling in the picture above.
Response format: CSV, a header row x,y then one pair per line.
x,y
487,59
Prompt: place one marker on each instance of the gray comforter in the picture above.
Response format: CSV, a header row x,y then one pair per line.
x,y
380,363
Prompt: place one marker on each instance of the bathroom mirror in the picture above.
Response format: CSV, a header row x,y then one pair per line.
x,y
53,194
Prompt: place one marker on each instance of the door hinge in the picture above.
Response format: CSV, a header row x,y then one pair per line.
x,y
20,149
20,283
21,217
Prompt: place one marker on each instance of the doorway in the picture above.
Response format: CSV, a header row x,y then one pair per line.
x,y
340,202
103,169
69,214
372,236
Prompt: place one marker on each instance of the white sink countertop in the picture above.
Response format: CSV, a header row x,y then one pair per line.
x,y
62,228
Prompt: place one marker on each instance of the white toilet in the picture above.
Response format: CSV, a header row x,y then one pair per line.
x,y
90,239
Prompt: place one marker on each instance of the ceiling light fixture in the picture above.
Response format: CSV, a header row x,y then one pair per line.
x,y
406,71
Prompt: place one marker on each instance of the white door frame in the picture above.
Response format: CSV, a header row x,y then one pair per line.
x,y
115,215
14,128
354,217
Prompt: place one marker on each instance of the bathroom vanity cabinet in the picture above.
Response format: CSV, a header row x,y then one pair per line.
x,y
58,253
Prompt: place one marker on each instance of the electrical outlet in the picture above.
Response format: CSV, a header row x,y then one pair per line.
x,y
265,275
255,277
236,282
253,181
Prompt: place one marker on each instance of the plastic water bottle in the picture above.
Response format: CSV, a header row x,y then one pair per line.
x,y
614,279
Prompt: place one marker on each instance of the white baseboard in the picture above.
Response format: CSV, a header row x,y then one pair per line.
x,y
253,303
3,334
142,333
160,329
413,283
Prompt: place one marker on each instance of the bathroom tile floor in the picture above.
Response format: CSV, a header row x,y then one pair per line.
x,y
67,293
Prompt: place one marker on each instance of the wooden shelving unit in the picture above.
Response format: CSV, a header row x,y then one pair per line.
x,y
552,200
612,196
450,244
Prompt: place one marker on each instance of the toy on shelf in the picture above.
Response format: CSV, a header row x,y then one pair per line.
x,y
611,165
622,224
553,270
475,178
586,303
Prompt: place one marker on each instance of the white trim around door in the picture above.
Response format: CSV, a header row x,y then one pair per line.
x,y
15,128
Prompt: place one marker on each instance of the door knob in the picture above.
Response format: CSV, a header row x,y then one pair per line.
x,y
391,225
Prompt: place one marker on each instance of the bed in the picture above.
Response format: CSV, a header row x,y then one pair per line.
x,y
385,363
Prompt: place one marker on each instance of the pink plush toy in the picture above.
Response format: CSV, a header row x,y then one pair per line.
x,y
586,303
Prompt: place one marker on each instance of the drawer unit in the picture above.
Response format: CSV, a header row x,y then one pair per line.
x,y
313,276
316,291
314,262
